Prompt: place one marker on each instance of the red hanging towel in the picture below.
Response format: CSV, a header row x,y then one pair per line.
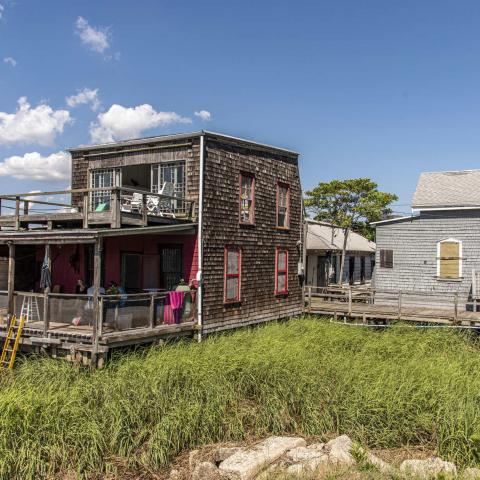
x,y
176,301
167,311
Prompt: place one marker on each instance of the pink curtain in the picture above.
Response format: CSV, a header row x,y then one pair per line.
x,y
172,312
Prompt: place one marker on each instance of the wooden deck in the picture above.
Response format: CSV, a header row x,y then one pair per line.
x,y
374,306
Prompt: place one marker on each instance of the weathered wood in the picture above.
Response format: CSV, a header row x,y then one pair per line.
x,y
85,210
116,213
46,314
151,313
144,210
399,305
97,269
349,300
11,278
17,213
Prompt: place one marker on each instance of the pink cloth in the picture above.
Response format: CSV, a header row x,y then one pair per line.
x,y
172,311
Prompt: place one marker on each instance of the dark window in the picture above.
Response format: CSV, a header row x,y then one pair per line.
x,y
351,270
386,258
283,206
362,269
247,198
233,274
132,272
281,271
171,266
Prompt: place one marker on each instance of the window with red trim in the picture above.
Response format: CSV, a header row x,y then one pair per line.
x,y
247,198
233,274
283,205
281,271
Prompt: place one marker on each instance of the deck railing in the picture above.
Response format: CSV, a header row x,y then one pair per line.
x,y
401,304
92,205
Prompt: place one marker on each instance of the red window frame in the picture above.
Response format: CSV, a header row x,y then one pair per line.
x,y
252,208
281,271
287,213
227,275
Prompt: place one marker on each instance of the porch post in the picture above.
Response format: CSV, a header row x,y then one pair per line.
x,y
115,213
97,269
11,277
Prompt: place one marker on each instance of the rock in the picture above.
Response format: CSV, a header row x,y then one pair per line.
x,y
306,459
338,451
431,467
222,453
246,463
297,469
382,466
207,471
174,474
471,474
192,459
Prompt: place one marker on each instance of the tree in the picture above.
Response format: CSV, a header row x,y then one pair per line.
x,y
349,204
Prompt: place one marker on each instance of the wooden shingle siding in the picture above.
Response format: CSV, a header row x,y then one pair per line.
x,y
223,164
414,243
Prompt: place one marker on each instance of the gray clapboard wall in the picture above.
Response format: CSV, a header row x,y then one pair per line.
x,y
414,245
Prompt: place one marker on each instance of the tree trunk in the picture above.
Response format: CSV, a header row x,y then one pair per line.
x,y
346,231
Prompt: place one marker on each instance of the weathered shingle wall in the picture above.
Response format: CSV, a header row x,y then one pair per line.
x,y
414,243
223,163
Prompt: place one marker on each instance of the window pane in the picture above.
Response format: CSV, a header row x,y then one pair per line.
x,y
282,217
449,249
281,282
232,261
450,268
282,260
232,288
246,199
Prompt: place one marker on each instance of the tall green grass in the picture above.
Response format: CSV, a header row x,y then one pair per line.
x,y
392,388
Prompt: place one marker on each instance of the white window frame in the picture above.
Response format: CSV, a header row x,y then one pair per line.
x,y
155,182
380,258
460,254
117,181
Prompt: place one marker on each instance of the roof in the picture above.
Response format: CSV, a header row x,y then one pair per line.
x,y
180,136
325,236
88,235
394,219
447,189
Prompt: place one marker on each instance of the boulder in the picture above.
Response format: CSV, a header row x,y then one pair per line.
x,y
246,463
174,474
471,474
381,466
207,471
222,453
338,451
431,467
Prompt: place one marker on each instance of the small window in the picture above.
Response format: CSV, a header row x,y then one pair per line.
x,y
247,198
281,271
386,258
449,258
233,274
283,206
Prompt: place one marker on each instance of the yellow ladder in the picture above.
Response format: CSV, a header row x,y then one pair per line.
x,y
12,341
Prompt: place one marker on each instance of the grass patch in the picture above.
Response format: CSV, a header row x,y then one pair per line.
x,y
385,389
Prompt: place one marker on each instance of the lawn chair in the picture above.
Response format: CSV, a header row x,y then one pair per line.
x,y
132,203
162,205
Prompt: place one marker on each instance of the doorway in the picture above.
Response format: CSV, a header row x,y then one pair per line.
x,y
131,274
171,266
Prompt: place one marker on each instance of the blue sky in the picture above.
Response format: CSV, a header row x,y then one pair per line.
x,y
384,89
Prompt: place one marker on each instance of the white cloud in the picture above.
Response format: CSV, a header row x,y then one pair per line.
x,y
204,115
32,125
34,166
10,60
119,123
85,96
97,39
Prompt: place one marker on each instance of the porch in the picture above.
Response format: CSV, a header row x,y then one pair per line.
x,y
152,271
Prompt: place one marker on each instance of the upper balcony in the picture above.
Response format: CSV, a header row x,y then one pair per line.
x,y
115,207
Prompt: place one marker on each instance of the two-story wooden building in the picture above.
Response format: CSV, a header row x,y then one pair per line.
x,y
170,235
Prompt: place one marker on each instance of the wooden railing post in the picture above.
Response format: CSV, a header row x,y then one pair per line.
x,y
46,314
349,300
17,213
399,304
455,307
11,278
144,210
25,207
85,209
116,214
152,311
309,299
97,269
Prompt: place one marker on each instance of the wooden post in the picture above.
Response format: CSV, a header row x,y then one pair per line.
x,y
97,269
455,307
309,299
116,214
349,300
399,304
152,311
11,278
100,316
17,213
46,313
25,207
144,210
85,209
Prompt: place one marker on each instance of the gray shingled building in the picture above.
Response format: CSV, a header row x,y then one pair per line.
x,y
437,248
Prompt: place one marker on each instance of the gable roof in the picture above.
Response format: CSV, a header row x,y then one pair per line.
x,y
448,189
325,236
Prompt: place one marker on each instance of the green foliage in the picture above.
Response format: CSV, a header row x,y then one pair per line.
x,y
393,388
352,203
